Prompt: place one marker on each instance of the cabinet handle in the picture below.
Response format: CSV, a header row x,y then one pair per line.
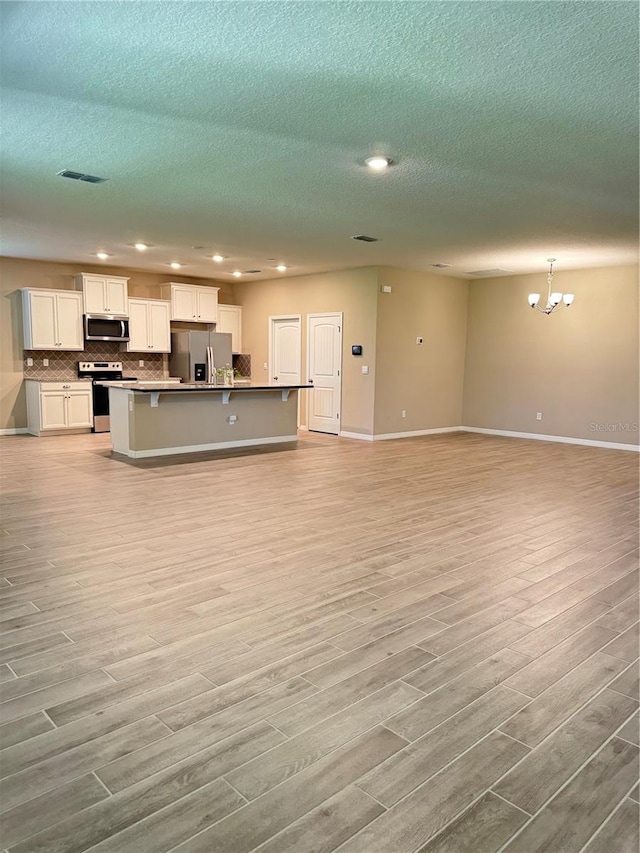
x,y
66,386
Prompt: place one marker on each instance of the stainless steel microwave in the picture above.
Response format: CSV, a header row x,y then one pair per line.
x,y
103,327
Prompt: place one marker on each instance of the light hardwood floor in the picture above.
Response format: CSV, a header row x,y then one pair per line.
x,y
419,645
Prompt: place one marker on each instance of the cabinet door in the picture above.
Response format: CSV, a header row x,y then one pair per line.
x,y
44,333
230,322
207,304
94,288
69,320
159,330
53,409
116,296
79,409
139,332
183,303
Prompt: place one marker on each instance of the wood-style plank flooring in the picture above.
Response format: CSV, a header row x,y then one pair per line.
x,y
415,646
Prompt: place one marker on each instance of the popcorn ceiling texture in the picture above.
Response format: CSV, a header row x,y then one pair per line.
x,y
64,365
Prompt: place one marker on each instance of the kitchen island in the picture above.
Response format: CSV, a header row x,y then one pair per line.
x,y
162,420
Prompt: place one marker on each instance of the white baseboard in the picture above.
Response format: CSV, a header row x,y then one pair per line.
x,y
361,436
202,448
15,431
563,439
415,433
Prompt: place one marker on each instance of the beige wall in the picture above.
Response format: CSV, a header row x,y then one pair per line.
x,y
16,273
354,292
578,368
424,380
491,363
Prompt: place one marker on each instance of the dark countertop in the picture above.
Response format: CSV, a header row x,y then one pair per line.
x,y
200,386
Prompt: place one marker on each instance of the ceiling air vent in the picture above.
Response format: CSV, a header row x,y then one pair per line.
x,y
441,266
248,272
490,273
80,176
364,239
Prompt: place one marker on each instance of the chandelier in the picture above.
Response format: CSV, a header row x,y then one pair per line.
x,y
555,300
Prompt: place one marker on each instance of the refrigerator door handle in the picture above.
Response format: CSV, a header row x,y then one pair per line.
x,y
210,366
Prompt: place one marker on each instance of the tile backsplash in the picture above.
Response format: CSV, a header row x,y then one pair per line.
x,y
64,365
242,363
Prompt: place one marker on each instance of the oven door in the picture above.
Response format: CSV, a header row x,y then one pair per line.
x,y
104,328
100,408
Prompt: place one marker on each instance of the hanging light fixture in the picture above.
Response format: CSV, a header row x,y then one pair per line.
x,y
555,300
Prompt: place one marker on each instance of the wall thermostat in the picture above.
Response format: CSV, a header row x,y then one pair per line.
x,y
356,349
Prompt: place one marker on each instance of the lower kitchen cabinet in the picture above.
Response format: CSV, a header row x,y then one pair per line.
x,y
58,406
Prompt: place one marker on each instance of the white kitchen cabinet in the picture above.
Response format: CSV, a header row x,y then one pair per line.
x,y
149,329
52,319
230,322
54,406
103,294
191,303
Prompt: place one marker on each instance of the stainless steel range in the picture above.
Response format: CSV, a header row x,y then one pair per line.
x,y
100,371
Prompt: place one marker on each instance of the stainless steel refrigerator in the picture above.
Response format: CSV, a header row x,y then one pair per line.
x,y
195,356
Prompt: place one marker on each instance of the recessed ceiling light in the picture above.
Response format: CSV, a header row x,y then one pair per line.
x,y
378,164
141,246
175,265
237,273
218,258
282,268
102,255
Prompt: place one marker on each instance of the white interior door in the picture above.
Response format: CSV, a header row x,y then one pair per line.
x,y
324,358
284,350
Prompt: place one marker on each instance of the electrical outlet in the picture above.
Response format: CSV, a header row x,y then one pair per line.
x,y
141,363
45,362
29,362
266,366
404,413
365,369
538,416
231,419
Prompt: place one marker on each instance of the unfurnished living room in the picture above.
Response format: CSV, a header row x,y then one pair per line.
x,y
319,427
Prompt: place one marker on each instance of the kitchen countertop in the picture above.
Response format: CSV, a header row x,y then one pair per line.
x,y
55,378
199,386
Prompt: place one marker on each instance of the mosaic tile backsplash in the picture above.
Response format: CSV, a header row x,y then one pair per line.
x,y
242,363
63,366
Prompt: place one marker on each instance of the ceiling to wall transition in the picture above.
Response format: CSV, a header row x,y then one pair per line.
x,y
242,128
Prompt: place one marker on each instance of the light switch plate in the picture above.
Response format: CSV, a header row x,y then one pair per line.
x,y
365,368
141,363
45,362
29,362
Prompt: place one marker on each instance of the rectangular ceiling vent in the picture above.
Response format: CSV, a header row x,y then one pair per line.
x,y
490,273
250,272
364,239
441,266
80,176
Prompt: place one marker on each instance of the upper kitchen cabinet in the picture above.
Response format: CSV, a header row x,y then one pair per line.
x,y
191,302
104,294
52,319
149,329
230,322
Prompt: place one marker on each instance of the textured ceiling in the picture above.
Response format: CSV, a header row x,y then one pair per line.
x,y
242,127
